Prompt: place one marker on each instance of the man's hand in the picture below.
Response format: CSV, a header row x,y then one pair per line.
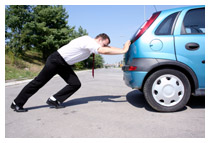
x,y
126,46
114,51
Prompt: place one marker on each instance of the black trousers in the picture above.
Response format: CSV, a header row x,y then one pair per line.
x,y
55,64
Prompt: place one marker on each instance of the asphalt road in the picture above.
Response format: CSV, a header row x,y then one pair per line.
x,y
104,107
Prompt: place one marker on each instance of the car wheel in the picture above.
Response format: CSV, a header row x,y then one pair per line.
x,y
167,90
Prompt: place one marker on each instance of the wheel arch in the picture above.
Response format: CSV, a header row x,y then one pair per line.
x,y
168,64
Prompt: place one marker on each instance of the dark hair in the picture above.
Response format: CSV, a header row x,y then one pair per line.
x,y
103,36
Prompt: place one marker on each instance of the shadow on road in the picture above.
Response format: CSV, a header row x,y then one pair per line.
x,y
85,100
136,98
196,102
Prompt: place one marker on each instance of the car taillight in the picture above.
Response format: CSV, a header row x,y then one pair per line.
x,y
145,26
132,68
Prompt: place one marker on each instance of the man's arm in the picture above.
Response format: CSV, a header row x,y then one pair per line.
x,y
113,50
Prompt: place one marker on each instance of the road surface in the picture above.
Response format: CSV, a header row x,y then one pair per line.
x,y
104,107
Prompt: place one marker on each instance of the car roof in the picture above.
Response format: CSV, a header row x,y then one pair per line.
x,y
183,8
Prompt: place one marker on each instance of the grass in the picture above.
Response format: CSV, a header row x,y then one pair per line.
x,y
12,72
26,67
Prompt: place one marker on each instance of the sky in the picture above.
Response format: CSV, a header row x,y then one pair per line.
x,y
120,22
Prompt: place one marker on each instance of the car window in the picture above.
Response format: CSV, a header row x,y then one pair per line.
x,y
194,22
165,28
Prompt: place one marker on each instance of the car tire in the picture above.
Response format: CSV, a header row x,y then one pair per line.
x,y
167,90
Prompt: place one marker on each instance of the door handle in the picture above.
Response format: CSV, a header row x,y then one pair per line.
x,y
192,46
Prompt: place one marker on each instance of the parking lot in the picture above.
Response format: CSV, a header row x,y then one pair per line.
x,y
104,107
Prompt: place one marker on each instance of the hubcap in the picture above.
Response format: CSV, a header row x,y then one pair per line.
x,y
168,90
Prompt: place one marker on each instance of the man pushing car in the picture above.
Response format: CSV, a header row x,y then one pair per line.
x,y
60,62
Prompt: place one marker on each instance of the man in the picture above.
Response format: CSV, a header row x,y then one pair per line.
x,y
60,63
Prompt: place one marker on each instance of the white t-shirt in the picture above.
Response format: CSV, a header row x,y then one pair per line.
x,y
79,49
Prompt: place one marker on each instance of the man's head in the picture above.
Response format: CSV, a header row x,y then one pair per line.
x,y
103,39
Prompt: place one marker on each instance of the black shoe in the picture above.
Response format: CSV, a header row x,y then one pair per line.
x,y
54,104
17,108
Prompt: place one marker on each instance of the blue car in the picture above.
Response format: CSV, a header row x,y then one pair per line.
x,y
166,60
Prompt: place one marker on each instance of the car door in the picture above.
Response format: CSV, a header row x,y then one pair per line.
x,y
190,42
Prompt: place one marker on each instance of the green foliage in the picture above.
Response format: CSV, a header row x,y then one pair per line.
x,y
16,17
79,33
17,68
16,73
79,66
41,28
48,31
98,62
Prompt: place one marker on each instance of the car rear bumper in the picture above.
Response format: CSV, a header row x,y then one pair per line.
x,y
134,79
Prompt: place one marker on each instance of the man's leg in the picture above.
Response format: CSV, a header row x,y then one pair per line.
x,y
73,84
31,88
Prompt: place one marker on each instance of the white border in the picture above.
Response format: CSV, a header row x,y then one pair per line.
x,y
105,2
95,2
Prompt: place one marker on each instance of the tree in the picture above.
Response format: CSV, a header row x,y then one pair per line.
x,y
79,33
88,63
42,28
48,31
16,16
